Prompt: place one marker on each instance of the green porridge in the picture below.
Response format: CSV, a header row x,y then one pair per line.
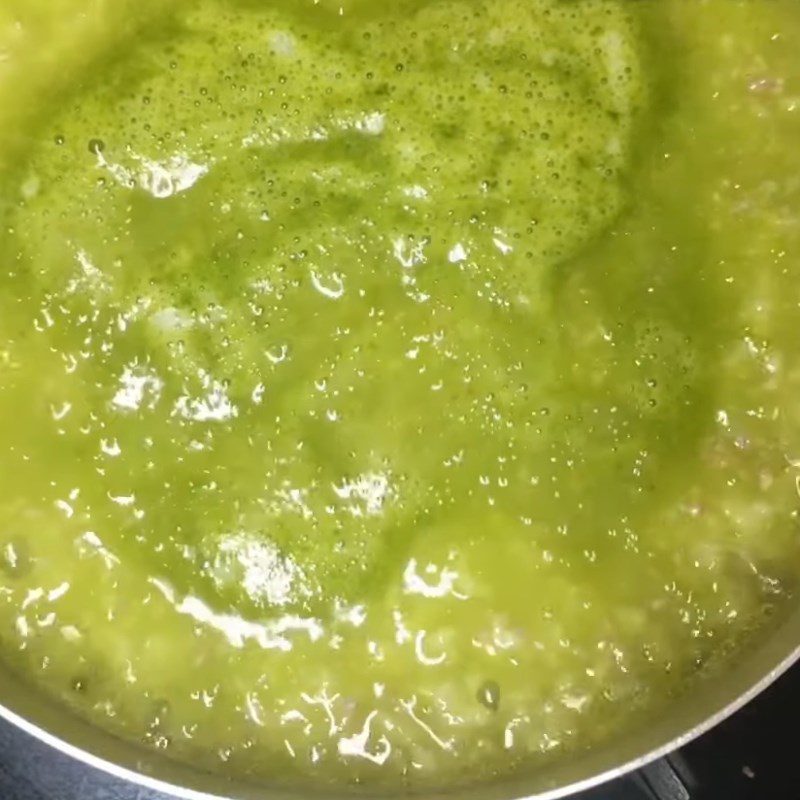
x,y
394,393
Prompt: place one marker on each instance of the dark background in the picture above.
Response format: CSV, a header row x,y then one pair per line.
x,y
755,755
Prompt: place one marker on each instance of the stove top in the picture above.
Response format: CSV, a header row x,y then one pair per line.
x,y
748,757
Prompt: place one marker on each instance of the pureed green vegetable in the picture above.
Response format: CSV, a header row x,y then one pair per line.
x,y
394,393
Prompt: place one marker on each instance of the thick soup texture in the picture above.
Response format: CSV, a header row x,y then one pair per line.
x,y
394,392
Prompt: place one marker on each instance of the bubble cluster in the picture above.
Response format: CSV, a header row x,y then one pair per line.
x,y
502,130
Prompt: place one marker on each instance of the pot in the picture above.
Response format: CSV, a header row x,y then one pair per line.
x,y
716,691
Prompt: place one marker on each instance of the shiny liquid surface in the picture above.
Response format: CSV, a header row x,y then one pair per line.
x,y
393,395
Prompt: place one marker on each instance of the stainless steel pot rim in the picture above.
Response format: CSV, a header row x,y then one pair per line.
x,y
186,793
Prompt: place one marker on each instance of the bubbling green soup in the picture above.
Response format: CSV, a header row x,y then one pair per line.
x,y
394,393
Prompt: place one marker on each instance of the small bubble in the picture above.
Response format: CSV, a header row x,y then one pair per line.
x,y
160,711
15,558
96,146
488,695
399,67
60,140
